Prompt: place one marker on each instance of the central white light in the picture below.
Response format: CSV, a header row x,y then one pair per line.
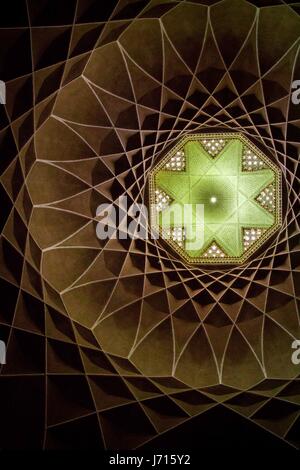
x,y
213,199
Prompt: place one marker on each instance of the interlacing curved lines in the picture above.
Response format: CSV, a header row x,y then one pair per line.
x,y
130,327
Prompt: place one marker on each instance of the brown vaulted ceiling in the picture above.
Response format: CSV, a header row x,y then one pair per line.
x,y
98,331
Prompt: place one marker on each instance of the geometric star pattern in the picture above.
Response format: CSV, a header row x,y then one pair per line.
x,y
99,331
232,199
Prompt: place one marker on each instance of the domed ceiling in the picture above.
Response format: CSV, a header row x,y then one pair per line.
x,y
99,94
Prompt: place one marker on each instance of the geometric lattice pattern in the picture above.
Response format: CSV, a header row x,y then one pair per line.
x,y
267,198
251,162
177,235
214,251
162,200
251,236
177,162
213,146
119,343
231,198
